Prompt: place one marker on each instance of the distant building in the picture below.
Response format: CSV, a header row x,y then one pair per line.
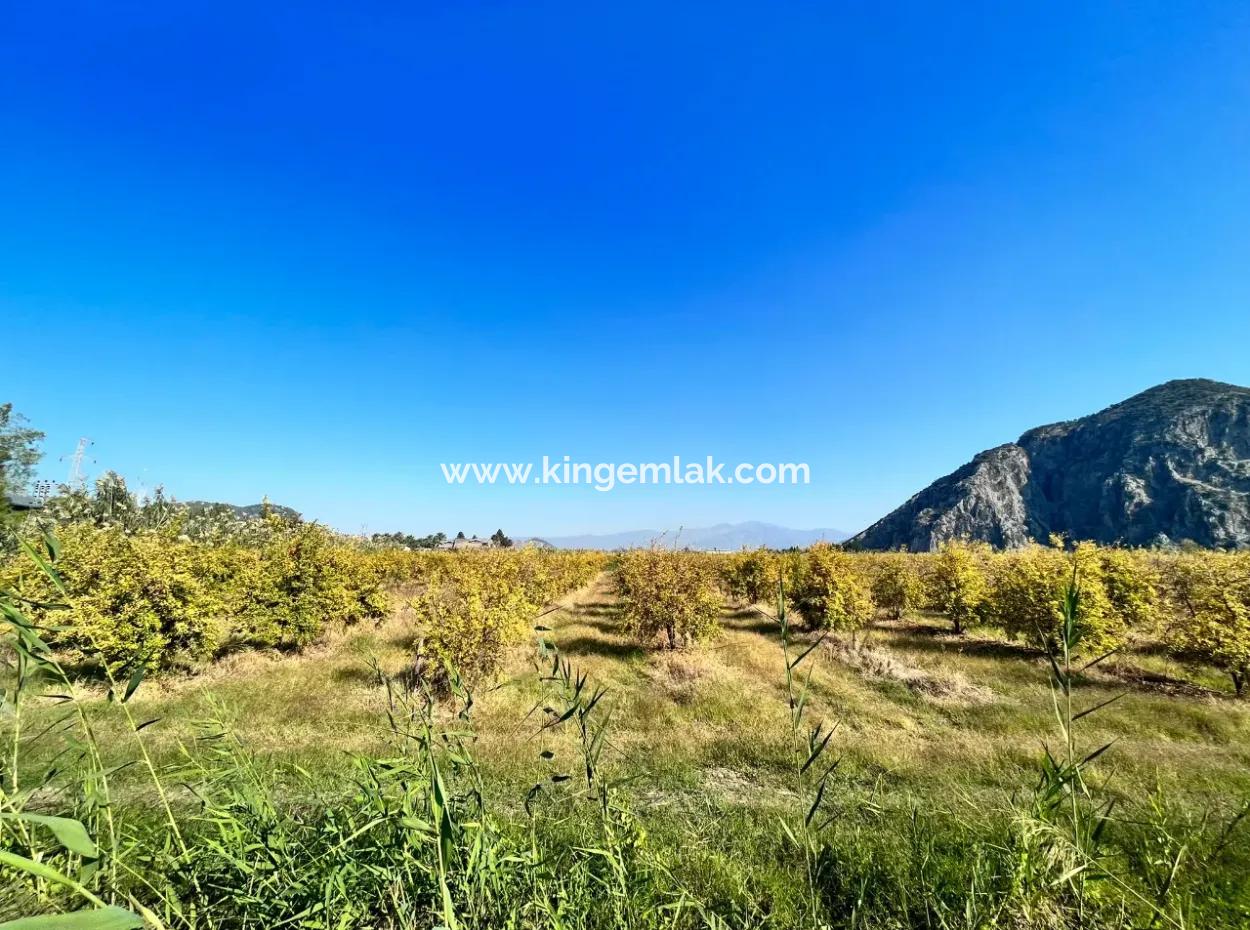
x,y
22,502
471,542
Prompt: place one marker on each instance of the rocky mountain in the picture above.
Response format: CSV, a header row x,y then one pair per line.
x,y
1169,465
724,536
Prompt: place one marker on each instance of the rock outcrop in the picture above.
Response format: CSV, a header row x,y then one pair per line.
x,y
1169,465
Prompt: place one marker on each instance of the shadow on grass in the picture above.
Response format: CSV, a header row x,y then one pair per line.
x,y
85,672
1145,680
969,646
609,623
752,623
594,646
905,627
406,640
89,671
597,605
355,675
589,613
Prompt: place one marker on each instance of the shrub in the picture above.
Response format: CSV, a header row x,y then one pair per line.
x,y
828,592
669,594
1211,595
1027,590
286,592
476,605
957,584
752,576
154,598
130,599
1132,586
896,583
469,626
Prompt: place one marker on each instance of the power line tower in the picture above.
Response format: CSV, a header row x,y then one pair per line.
x,y
76,478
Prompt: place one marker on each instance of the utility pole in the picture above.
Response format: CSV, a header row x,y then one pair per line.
x,y
76,478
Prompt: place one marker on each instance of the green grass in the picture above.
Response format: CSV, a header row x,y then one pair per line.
x,y
940,739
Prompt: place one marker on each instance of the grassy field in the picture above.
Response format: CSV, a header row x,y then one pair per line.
x,y
930,728
919,709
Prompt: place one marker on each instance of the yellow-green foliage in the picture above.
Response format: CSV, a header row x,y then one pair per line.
x,y
128,599
470,624
476,605
1026,594
1211,594
957,584
149,597
669,595
553,572
752,576
896,584
148,594
285,592
1132,586
394,565
828,591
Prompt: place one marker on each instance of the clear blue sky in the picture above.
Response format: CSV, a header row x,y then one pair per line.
x,y
312,253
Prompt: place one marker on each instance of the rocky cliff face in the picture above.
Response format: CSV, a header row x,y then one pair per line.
x,y
1168,465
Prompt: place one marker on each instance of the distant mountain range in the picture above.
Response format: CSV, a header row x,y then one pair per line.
x,y
1168,465
730,536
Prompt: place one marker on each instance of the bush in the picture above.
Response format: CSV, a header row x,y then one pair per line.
x,y
828,592
668,594
957,584
130,600
1132,586
285,592
752,576
1027,589
469,626
476,605
896,583
1211,594
150,597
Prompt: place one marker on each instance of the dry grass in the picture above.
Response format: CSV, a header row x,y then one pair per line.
x,y
700,743
879,663
958,718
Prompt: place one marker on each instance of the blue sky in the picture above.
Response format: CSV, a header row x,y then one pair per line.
x,y
314,252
